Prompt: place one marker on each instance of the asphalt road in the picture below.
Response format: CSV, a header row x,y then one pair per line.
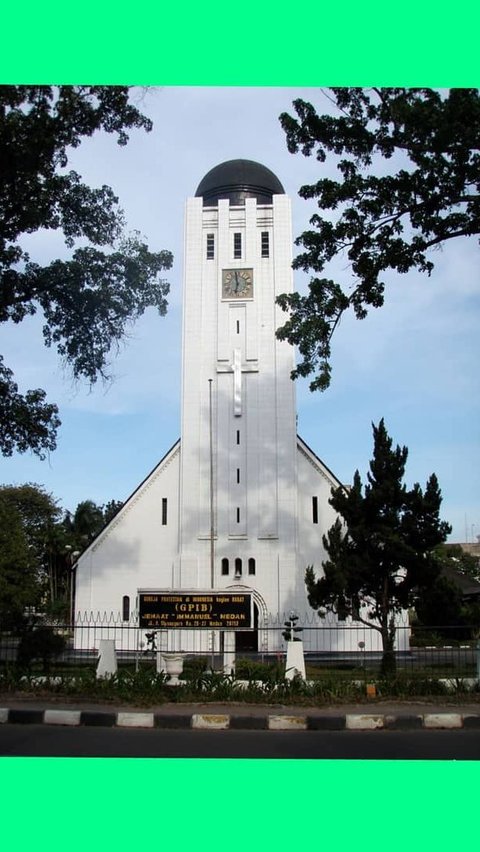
x,y
54,741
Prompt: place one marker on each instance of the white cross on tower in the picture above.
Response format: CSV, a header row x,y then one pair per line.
x,y
237,368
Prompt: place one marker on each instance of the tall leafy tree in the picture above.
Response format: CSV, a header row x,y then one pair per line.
x,y
111,509
409,181
89,299
39,544
380,548
20,582
39,517
87,522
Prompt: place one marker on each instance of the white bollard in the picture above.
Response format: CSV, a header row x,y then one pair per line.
x,y
107,659
295,664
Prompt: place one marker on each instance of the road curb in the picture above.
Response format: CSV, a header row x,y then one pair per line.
x,y
364,721
210,721
287,723
62,717
443,720
219,721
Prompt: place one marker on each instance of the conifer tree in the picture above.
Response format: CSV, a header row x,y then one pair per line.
x,y
383,550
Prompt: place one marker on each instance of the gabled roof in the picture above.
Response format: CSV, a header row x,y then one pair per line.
x,y
313,456
302,445
125,506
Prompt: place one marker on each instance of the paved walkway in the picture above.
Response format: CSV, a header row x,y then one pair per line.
x,y
374,715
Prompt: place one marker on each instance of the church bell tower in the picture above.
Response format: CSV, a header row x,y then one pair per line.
x,y
237,394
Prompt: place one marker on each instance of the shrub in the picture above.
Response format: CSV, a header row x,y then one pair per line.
x,y
266,672
193,667
39,643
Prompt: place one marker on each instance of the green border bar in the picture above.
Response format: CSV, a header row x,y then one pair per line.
x,y
204,805
242,44
120,804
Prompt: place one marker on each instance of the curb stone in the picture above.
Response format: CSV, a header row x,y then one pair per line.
x,y
406,722
210,721
364,722
326,723
443,720
134,720
219,721
97,718
62,717
287,723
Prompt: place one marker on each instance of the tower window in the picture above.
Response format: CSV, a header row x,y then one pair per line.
x,y
238,436
251,566
238,474
224,566
210,246
315,510
238,514
237,246
164,511
238,567
265,244
238,326
125,608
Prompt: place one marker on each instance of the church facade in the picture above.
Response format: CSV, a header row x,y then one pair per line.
x,y
240,502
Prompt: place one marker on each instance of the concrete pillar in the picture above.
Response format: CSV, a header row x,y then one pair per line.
x,y
295,660
107,659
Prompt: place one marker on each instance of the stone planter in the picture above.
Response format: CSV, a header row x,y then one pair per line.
x,y
173,665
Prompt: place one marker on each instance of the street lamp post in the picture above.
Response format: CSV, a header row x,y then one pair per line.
x,y
73,568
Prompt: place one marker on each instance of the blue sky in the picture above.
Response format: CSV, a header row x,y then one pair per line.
x,y
413,362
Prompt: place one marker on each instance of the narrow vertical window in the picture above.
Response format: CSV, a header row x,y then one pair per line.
x,y
265,244
210,246
238,567
238,436
315,510
251,566
238,514
224,566
125,608
237,246
164,511
238,474
238,326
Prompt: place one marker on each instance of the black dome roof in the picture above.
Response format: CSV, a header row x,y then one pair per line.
x,y
238,180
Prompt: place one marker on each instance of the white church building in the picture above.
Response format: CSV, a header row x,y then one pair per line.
x,y
240,502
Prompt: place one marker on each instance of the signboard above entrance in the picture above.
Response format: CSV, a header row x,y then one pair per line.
x,y
210,610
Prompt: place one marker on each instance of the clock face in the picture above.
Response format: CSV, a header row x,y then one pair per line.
x,y
237,283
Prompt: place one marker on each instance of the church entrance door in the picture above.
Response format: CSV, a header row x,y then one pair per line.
x,y
246,641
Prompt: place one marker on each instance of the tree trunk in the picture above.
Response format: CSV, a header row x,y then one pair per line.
x,y
388,667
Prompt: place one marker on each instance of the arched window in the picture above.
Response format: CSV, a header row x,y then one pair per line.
x,y
126,608
251,566
224,566
238,567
